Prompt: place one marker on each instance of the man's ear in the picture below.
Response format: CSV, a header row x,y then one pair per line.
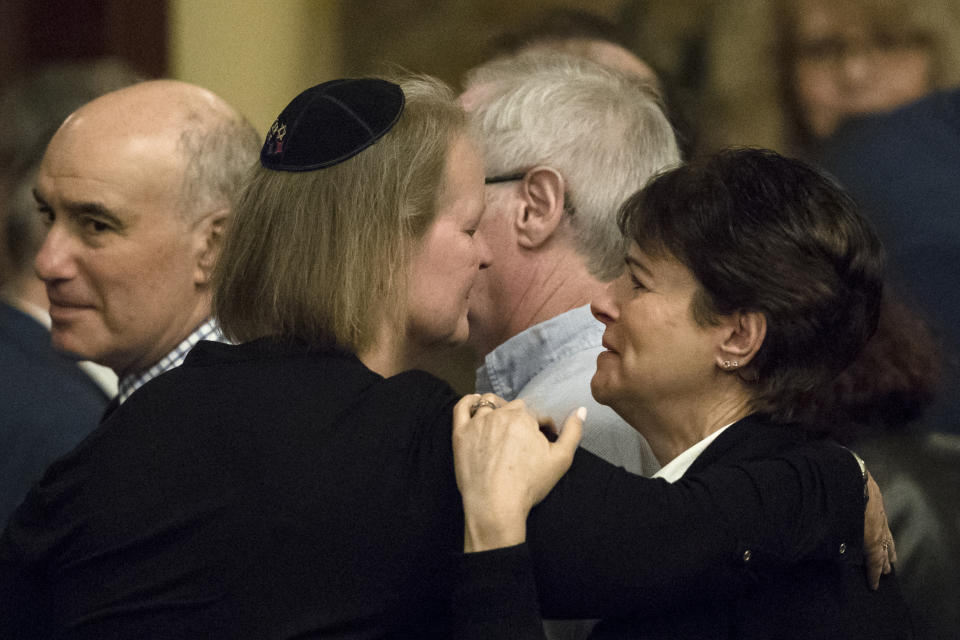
x,y
743,335
209,238
543,194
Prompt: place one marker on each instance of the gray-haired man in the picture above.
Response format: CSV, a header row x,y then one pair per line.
x,y
565,142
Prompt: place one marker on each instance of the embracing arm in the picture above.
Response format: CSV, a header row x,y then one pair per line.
x,y
606,542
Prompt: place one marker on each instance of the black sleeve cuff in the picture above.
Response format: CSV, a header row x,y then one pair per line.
x,y
492,594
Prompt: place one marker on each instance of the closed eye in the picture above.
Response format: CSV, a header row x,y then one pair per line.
x,y
94,225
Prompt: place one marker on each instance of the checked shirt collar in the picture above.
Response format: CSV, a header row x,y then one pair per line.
x,y
209,330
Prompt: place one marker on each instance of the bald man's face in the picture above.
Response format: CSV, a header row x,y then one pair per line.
x,y
120,261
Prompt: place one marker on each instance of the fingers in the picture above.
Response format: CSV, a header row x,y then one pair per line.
x,y
473,403
572,432
876,565
503,467
889,547
487,401
879,548
461,410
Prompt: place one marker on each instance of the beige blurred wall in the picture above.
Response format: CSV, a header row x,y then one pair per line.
x,y
256,54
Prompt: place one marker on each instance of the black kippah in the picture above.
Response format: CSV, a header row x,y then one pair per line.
x,y
331,122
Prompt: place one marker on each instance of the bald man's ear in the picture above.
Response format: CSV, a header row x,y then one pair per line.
x,y
543,194
209,238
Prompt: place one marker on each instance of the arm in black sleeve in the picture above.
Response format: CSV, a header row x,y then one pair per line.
x,y
608,543
492,594
20,580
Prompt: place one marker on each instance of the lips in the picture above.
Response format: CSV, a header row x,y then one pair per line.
x,y
66,303
606,345
62,307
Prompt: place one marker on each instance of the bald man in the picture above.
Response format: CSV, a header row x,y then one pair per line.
x,y
135,188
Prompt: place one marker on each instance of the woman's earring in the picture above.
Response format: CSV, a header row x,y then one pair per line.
x,y
727,364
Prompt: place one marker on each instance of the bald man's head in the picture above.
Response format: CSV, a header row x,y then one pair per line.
x,y
135,187
175,121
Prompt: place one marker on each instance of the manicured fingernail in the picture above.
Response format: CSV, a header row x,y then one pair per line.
x,y
582,413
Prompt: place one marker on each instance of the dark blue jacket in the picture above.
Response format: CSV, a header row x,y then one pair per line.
x,y
47,405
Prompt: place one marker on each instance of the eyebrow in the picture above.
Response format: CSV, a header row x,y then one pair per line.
x,y
84,208
634,262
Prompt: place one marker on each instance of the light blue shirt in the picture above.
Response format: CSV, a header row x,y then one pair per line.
x,y
550,366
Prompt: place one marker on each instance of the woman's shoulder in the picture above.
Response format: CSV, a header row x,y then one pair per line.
x,y
421,386
759,436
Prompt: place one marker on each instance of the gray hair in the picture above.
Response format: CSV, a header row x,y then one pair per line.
x,y
220,148
603,130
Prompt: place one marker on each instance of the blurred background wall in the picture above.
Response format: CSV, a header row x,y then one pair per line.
x,y
257,54
729,69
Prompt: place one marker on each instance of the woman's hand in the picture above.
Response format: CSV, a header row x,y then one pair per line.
x,y
879,548
505,465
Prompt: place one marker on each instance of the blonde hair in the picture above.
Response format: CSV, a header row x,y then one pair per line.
x,y
747,94
323,256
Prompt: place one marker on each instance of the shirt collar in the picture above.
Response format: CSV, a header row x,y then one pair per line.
x,y
209,330
509,368
674,470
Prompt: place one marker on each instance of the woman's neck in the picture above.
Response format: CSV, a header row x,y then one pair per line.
x,y
391,353
671,427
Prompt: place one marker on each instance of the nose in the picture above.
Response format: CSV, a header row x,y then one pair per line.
x,y
604,307
54,261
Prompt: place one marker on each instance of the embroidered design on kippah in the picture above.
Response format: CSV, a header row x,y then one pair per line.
x,y
274,140
330,123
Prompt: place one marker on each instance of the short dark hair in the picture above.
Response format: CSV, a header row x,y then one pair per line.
x,y
889,385
770,234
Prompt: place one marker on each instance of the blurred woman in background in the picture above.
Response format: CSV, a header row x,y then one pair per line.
x,y
785,74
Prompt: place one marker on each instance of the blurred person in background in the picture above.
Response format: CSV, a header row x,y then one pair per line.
x,y
49,401
902,167
783,74
578,33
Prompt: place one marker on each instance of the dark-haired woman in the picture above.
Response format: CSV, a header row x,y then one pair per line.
x,y
750,282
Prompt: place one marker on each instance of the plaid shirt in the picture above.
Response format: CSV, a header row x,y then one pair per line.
x,y
130,383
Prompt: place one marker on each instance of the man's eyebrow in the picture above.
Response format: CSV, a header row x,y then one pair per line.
x,y
84,208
